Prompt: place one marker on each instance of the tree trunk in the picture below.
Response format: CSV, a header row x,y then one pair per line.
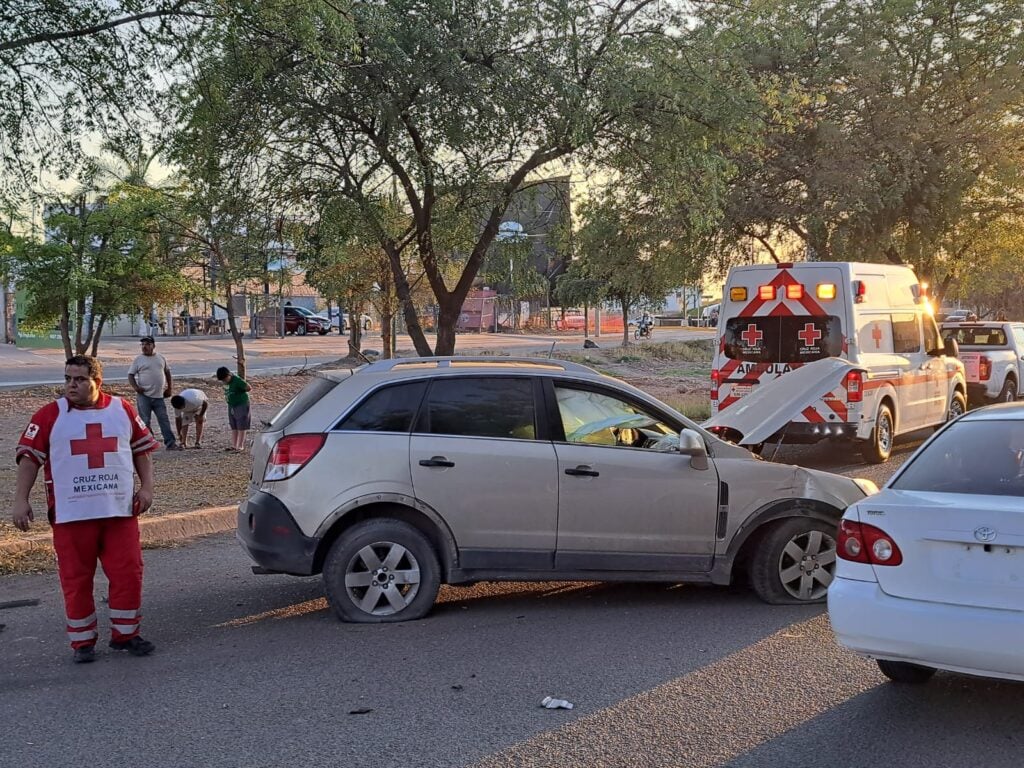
x,y
447,317
386,317
65,335
95,335
625,320
236,333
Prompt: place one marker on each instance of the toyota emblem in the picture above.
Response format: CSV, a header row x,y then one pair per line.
x,y
984,533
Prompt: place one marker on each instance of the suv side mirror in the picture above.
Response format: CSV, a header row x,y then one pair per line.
x,y
951,348
691,444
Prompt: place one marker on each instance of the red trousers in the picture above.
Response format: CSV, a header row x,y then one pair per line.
x,y
114,541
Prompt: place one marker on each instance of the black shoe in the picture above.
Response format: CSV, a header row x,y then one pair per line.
x,y
136,646
85,654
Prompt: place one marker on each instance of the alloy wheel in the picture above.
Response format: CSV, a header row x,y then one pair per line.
x,y
808,565
382,578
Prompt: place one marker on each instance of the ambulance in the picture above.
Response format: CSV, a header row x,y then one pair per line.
x,y
876,364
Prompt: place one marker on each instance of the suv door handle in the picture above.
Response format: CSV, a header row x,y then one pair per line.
x,y
436,461
582,471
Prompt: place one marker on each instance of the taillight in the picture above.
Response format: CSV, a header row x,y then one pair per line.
x,y
291,454
716,379
984,368
862,543
854,386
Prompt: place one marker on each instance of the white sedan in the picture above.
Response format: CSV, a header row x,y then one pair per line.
x,y
931,569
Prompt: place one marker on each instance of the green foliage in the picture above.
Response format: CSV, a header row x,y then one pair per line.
x,y
458,103
81,67
101,258
886,127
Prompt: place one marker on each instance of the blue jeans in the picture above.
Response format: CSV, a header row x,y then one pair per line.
x,y
150,405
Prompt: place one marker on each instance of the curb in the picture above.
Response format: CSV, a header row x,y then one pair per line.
x,y
181,525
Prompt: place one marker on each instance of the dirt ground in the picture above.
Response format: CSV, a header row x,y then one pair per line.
x,y
675,372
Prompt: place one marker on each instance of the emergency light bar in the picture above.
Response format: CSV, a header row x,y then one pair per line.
x,y
737,294
795,291
826,290
766,292
859,291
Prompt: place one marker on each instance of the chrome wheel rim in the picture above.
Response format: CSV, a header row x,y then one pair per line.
x,y
884,428
382,578
956,409
808,565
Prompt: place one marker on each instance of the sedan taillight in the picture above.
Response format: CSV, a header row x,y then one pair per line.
x,y
291,454
862,543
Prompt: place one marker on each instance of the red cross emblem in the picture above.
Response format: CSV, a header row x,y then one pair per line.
x,y
94,445
752,335
876,334
809,334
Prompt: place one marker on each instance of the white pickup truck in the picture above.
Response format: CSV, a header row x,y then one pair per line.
x,y
993,358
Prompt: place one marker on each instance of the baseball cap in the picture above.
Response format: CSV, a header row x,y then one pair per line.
x,y
144,339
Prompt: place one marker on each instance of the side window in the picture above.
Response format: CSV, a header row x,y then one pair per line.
x,y
932,341
906,336
481,407
1018,334
874,334
391,409
595,418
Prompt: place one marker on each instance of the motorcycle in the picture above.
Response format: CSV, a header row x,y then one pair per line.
x,y
643,331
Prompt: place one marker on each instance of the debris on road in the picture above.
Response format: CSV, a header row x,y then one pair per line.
x,y
361,711
20,603
549,702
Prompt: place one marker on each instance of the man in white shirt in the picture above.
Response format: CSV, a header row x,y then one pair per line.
x,y
150,377
190,406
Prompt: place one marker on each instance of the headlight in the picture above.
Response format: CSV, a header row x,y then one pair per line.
x,y
868,486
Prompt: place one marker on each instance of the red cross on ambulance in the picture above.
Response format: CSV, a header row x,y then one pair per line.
x,y
752,336
809,334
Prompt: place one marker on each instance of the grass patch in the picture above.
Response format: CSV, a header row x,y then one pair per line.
x,y
35,560
693,405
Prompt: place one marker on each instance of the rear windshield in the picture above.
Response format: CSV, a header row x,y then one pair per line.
x,y
976,337
791,339
979,457
302,402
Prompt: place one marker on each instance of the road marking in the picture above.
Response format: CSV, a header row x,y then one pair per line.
x,y
713,715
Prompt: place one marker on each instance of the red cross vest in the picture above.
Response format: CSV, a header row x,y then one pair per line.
x,y
91,462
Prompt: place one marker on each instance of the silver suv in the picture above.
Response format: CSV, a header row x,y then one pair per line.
x,y
404,474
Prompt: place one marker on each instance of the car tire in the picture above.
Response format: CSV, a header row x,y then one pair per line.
x,y
362,553
300,329
1008,393
957,406
795,561
904,672
878,447
322,332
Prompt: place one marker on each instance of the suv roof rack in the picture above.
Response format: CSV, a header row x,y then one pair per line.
x,y
480,361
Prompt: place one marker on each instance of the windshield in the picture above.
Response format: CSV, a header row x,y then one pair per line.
x,y
791,339
978,457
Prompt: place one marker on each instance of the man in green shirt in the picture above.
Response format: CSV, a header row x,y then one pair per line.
x,y
236,392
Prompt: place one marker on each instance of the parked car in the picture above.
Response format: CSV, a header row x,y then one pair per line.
x,y
930,569
407,473
992,354
339,320
300,321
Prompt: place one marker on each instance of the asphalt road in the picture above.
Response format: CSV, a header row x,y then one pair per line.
x,y
255,671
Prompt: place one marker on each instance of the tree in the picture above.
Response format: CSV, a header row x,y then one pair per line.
x,y
886,126
100,259
623,250
74,68
460,103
